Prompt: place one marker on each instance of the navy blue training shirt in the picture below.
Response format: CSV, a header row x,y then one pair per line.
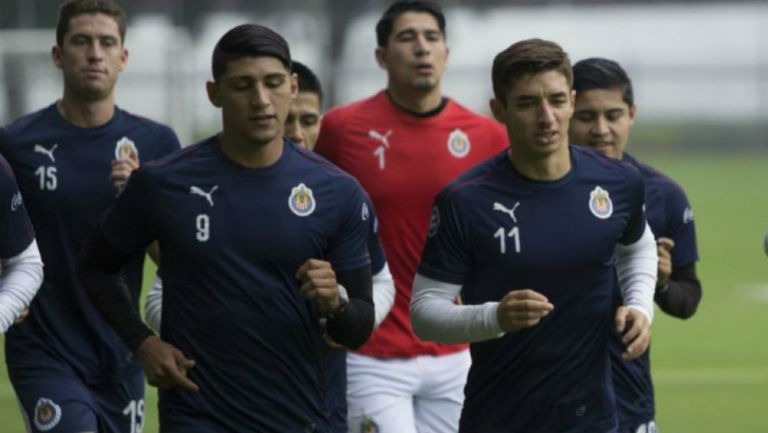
x,y
62,172
231,240
494,230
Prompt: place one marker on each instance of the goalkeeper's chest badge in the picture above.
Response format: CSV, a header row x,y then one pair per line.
x,y
458,143
124,148
600,203
301,201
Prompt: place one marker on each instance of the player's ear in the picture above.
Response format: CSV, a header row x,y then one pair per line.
x,y
56,55
632,112
497,108
123,58
213,93
381,54
294,80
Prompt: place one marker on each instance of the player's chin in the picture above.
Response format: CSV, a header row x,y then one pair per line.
x,y
425,82
264,136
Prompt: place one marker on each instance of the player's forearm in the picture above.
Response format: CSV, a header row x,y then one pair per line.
x,y
636,268
153,305
21,278
98,269
353,326
681,295
436,317
383,294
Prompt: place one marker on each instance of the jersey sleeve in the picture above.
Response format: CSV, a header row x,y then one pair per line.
x,y
446,255
330,132
636,197
681,227
378,259
348,249
128,224
15,228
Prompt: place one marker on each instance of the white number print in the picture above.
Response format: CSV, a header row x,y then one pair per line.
x,y
203,224
135,410
380,153
383,139
502,234
47,176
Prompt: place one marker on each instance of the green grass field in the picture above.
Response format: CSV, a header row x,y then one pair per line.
x,y
711,372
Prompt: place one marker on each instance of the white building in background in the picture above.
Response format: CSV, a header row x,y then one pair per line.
x,y
687,61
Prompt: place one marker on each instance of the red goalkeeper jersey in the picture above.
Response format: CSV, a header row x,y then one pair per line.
x,y
403,160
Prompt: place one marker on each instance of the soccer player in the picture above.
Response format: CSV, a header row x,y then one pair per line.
x,y
259,239
604,113
21,267
404,144
302,127
70,371
533,239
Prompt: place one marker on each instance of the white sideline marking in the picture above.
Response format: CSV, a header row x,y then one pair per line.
x,y
755,293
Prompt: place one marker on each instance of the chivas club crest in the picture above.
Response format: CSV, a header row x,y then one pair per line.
x,y
47,414
301,202
458,143
124,148
600,203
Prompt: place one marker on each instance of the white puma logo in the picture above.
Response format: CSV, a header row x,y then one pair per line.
x,y
383,138
40,149
208,195
511,212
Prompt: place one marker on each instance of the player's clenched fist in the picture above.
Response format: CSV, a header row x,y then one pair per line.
x,y
520,309
318,282
122,168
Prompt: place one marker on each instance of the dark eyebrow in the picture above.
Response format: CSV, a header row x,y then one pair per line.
x,y
408,31
527,98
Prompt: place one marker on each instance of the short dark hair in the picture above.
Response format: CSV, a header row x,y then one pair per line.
x,y
74,8
600,73
530,56
308,81
249,40
387,21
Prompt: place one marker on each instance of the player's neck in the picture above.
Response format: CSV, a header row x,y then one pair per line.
x,y
415,101
251,155
550,167
86,114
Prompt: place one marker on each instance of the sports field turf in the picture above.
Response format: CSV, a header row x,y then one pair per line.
x,y
711,372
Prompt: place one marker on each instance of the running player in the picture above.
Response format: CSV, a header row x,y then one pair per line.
x,y
533,239
70,371
259,239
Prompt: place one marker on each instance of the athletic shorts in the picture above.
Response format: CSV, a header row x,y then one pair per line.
x,y
54,400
